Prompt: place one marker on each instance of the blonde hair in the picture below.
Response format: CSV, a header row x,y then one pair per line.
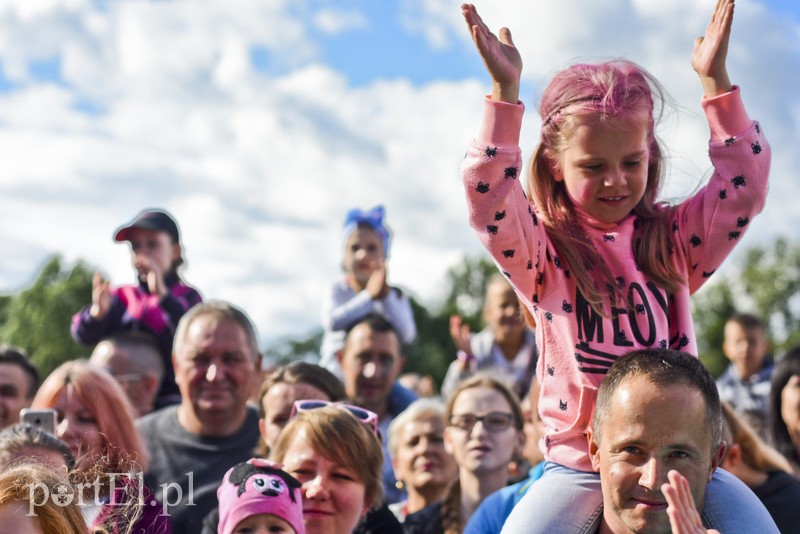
x,y
755,452
124,449
341,438
625,93
36,481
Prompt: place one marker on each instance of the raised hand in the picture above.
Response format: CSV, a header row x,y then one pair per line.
x,y
501,57
376,283
101,296
711,51
681,509
153,276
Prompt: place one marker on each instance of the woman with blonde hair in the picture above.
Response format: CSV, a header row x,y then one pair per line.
x,y
96,421
420,461
483,434
762,468
337,459
35,498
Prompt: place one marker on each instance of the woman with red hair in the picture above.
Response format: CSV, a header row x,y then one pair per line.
x,y
96,420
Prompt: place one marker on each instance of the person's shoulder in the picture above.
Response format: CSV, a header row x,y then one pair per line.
x,y
151,424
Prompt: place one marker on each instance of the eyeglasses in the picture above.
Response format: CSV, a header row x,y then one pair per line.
x,y
365,416
492,421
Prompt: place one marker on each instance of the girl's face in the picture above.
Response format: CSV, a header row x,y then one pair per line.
x,y
790,406
604,167
489,444
77,427
422,461
333,499
363,252
277,404
152,250
263,524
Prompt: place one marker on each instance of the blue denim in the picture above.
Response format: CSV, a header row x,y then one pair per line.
x,y
571,502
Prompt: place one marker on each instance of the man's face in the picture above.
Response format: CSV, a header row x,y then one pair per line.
x,y
649,431
214,368
370,363
14,384
118,361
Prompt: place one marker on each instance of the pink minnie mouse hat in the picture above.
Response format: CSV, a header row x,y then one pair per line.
x,y
259,488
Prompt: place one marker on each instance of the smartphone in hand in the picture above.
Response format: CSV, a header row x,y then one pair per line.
x,y
44,418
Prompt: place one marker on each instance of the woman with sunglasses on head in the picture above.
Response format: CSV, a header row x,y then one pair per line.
x,y
333,450
483,433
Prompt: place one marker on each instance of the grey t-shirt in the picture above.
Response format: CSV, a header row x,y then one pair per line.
x,y
186,469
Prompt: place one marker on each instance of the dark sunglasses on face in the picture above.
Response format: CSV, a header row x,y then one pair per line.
x,y
492,421
367,417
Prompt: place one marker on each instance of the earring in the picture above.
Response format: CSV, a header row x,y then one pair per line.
x,y
399,485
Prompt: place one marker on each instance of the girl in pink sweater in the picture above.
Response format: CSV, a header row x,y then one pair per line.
x,y
601,265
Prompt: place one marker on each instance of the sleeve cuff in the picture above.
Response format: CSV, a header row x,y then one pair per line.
x,y
501,123
726,115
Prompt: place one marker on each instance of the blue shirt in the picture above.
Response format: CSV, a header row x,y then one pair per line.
x,y
493,511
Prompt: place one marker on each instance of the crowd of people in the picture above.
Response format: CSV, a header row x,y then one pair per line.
x,y
581,407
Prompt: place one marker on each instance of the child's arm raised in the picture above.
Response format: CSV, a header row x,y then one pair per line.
x,y
711,51
500,56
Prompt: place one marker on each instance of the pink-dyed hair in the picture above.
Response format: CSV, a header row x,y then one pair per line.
x,y
622,93
106,401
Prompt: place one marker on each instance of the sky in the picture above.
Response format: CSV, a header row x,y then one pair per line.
x,y
258,124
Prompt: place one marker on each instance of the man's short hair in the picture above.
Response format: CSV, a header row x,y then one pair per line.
x,y
139,342
662,368
223,311
376,323
747,321
17,356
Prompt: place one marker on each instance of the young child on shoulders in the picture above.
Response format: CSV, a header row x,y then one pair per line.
x,y
603,266
506,346
365,288
154,304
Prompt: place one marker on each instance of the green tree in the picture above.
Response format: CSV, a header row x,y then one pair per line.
x,y
767,284
38,318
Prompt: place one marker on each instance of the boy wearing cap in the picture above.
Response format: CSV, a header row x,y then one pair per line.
x,y
155,304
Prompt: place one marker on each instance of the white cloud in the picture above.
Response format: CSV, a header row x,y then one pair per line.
x,y
259,167
333,21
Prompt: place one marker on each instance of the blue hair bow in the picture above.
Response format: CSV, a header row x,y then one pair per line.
x,y
373,218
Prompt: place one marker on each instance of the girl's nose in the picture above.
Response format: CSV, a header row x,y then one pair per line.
x,y
615,177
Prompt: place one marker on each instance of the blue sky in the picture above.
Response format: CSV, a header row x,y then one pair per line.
x,y
259,123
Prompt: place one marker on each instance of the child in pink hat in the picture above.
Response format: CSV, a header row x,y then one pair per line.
x,y
258,496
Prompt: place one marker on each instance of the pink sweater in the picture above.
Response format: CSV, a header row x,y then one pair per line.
x,y
577,345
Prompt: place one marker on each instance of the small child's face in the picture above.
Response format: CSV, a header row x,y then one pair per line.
x,y
745,347
363,252
263,524
152,250
501,310
604,167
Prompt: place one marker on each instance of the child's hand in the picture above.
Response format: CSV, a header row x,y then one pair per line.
x,y
101,296
711,50
461,334
376,283
154,277
681,509
500,56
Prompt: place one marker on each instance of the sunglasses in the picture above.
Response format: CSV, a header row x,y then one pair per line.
x,y
367,417
492,421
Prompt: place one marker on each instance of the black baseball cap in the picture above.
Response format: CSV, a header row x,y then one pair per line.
x,y
150,219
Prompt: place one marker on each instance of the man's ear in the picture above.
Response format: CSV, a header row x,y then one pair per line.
x,y
401,363
151,383
340,356
594,449
716,458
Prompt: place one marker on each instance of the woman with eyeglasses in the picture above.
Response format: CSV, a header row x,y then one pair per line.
x,y
483,433
333,450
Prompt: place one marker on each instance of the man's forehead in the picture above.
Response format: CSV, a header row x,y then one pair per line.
x,y
11,373
362,340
